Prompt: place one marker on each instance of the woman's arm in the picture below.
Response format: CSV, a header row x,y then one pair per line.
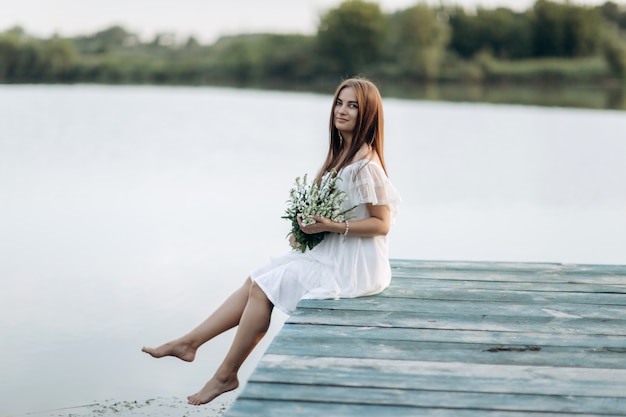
x,y
376,225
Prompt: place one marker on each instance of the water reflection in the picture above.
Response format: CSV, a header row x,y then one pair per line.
x,y
592,97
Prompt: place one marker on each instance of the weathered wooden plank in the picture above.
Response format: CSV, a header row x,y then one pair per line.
x,y
443,321
477,265
516,267
547,309
273,408
593,343
442,351
577,277
485,295
430,284
605,275
596,342
441,376
433,399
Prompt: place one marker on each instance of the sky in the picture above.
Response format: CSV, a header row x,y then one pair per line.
x,y
207,20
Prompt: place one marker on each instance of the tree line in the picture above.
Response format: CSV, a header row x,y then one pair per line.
x,y
548,41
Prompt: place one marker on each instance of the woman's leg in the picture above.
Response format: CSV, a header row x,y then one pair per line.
x,y
254,323
224,318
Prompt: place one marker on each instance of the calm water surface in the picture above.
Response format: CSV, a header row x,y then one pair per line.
x,y
128,213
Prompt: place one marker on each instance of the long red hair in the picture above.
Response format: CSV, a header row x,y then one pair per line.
x,y
368,129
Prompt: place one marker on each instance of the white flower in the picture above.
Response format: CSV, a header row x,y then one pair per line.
x,y
307,200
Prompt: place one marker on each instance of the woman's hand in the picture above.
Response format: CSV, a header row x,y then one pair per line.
x,y
292,242
377,224
321,225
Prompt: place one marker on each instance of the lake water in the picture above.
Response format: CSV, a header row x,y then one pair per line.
x,y
128,213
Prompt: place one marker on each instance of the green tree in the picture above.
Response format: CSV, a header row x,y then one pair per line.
x,y
352,36
506,33
105,41
615,53
419,40
286,57
503,32
57,59
565,30
583,31
9,51
548,28
614,13
192,43
21,58
235,58
465,37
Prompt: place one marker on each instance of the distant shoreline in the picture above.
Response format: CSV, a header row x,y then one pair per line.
x,y
587,96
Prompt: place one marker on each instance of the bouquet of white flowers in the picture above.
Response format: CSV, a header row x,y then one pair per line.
x,y
323,200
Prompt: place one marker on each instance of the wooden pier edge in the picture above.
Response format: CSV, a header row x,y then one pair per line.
x,y
460,339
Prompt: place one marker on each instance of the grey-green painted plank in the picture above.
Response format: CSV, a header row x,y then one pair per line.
x,y
451,352
477,265
558,338
525,297
441,376
447,321
512,277
428,284
612,276
433,399
544,268
547,309
273,408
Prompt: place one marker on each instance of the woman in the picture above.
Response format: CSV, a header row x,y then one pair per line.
x,y
351,261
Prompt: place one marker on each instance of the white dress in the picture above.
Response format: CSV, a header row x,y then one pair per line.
x,y
338,267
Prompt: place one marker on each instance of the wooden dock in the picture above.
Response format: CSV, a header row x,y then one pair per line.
x,y
458,339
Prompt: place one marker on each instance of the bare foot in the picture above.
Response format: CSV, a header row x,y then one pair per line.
x,y
176,348
213,389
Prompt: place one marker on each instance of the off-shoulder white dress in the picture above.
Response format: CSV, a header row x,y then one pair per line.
x,y
338,267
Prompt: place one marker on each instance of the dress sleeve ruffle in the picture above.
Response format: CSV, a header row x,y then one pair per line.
x,y
370,184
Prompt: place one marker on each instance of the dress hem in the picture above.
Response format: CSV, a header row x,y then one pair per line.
x,y
270,298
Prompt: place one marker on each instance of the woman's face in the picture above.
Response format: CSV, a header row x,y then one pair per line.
x,y
346,111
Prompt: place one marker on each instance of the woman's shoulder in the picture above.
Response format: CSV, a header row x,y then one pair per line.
x,y
365,172
366,158
369,165
367,182
354,168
